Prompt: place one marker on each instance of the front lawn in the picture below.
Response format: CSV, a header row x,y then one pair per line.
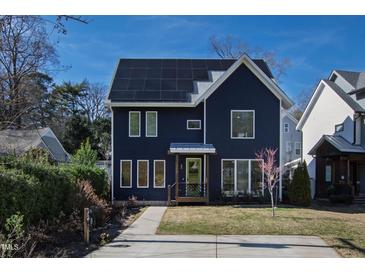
x,y
341,227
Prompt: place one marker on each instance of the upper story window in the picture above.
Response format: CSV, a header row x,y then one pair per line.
x,y
242,124
286,127
134,124
151,123
339,127
193,124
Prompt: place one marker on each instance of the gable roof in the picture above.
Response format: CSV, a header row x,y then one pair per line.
x,y
351,102
340,143
20,140
179,82
355,79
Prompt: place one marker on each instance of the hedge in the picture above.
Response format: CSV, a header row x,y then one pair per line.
x,y
41,191
96,176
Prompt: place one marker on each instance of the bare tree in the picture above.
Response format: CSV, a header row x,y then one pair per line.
x,y
233,47
24,51
92,104
271,171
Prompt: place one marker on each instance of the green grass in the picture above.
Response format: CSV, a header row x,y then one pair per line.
x,y
343,228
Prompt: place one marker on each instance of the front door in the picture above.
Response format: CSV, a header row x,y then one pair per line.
x,y
193,177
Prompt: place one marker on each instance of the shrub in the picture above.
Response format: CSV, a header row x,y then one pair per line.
x,y
96,176
86,198
85,155
299,189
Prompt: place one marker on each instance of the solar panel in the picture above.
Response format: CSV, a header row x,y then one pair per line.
x,y
164,79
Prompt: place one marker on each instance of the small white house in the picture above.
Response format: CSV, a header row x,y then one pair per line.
x,y
333,129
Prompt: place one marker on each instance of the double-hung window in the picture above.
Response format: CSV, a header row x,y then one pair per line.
x,y
151,124
242,124
297,148
286,127
242,176
288,147
125,173
134,124
159,173
142,174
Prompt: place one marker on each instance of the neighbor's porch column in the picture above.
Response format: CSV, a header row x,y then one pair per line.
x,y
207,178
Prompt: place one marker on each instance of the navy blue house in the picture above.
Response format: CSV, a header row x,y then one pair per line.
x,y
188,129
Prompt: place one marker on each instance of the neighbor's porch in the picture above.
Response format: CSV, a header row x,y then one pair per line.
x,y
191,173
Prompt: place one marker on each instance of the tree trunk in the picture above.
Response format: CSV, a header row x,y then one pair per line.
x,y
272,204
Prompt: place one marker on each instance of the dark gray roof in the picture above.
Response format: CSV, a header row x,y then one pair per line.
x,y
165,80
356,79
18,141
346,97
340,143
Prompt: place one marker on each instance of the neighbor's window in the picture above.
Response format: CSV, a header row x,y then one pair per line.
x,y
286,127
159,173
134,124
142,173
151,123
339,127
125,173
328,174
242,124
288,147
297,148
193,124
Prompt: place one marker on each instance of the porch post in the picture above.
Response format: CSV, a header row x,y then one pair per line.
x,y
207,178
176,176
348,171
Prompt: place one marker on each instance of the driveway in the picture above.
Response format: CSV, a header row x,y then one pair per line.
x,y
140,241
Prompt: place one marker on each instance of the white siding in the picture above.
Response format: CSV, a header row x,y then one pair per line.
x,y
328,111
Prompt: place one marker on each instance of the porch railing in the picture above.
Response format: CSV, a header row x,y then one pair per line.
x,y
186,190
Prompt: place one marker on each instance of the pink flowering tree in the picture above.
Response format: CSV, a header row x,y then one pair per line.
x,y
271,171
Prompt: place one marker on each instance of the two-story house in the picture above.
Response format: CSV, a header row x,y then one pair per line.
x,y
291,143
192,127
333,129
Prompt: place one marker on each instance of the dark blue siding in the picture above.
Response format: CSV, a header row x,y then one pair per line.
x,y
171,128
241,91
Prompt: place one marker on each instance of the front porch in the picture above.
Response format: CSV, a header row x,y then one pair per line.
x,y
191,173
338,162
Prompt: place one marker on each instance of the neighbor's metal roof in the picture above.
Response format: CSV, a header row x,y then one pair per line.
x,y
340,143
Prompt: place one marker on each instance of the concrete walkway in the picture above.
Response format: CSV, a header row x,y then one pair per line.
x,y
140,241
147,223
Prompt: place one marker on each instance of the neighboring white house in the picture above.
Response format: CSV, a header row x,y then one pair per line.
x,y
291,141
18,141
333,132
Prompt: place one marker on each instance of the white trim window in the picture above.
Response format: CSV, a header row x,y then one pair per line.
x,y
142,174
134,124
286,127
297,148
242,176
125,173
288,147
193,124
159,173
151,124
242,124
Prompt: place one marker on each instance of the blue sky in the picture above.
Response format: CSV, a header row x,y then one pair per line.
x,y
315,44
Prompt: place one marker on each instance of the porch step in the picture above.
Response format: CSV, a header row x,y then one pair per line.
x,y
360,199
